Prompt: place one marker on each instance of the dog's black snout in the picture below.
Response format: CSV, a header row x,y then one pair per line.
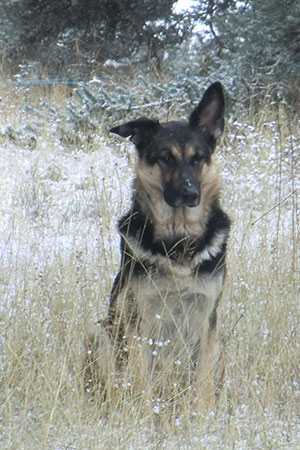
x,y
190,194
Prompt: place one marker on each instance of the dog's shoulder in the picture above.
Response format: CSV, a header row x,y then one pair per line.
x,y
210,249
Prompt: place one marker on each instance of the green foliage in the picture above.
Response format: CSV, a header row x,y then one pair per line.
x,y
255,45
77,35
252,46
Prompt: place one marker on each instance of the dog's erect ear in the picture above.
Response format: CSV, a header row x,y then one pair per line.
x,y
209,114
139,131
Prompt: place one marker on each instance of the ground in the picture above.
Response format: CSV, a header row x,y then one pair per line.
x,y
59,252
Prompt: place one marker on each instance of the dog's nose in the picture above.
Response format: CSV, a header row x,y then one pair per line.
x,y
190,195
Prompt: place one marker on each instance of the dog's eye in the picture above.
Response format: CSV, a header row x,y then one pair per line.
x,y
196,160
166,159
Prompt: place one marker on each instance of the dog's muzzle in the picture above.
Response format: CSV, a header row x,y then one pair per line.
x,y
190,195
186,193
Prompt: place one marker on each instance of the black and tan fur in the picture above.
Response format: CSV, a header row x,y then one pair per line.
x,y
162,316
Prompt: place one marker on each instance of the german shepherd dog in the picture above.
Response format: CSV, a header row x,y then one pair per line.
x,y
162,317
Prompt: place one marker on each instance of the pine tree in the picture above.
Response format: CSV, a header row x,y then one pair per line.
x,y
78,33
258,43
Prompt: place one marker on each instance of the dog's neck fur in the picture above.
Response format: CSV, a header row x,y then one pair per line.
x,y
180,222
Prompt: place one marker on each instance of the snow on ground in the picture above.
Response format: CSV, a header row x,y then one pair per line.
x,y
57,201
54,195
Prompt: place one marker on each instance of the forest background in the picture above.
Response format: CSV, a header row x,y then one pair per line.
x,y
251,46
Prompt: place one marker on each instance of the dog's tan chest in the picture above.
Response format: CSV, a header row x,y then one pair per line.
x,y
175,304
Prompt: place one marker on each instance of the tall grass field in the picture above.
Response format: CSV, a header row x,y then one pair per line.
x,y
59,250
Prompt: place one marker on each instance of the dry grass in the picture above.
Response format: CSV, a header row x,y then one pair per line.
x,y
60,252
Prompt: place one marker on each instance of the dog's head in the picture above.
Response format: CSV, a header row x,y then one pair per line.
x,y
180,150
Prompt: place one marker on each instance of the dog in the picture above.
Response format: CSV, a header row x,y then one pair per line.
x,y
161,325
